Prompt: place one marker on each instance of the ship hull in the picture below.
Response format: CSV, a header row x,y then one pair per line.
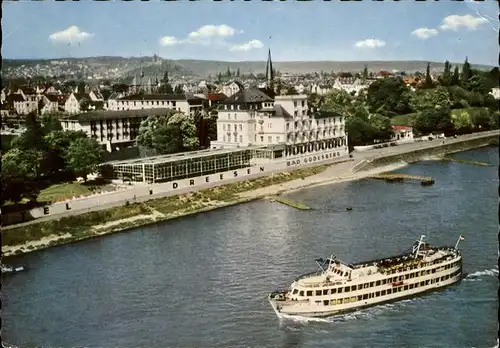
x,y
315,312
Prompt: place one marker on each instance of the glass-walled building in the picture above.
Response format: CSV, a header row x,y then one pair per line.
x,y
186,165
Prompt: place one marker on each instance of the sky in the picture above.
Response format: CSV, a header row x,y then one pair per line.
x,y
242,31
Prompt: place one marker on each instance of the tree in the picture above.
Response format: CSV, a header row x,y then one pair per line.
x,y
446,78
171,133
20,169
165,86
32,137
428,83
228,73
455,79
388,96
433,120
57,143
360,132
83,156
238,72
365,72
466,74
337,101
480,118
461,121
430,98
381,127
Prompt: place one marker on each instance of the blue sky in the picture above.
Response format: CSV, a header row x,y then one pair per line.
x,y
236,31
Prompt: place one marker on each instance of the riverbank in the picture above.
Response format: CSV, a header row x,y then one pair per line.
x,y
69,229
72,229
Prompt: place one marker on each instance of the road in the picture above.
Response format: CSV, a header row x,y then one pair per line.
x,y
358,157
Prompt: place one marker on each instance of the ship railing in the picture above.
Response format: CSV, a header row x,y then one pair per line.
x,y
309,275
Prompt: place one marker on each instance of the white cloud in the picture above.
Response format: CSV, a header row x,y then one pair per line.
x,y
424,33
455,22
248,46
168,41
370,43
72,34
216,35
210,31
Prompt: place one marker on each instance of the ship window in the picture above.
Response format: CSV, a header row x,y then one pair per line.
x,y
360,297
406,287
340,300
309,293
389,291
382,293
347,289
325,292
371,284
365,296
340,290
301,293
377,293
318,292
295,291
326,302
353,288
377,283
334,291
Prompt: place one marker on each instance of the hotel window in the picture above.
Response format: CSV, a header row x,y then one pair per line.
x,y
422,283
241,127
353,288
340,290
365,297
325,291
318,292
340,300
384,281
235,139
360,297
405,287
270,139
377,293
224,138
261,139
241,138
389,291
278,139
334,291
411,286
235,127
377,283
295,291
295,114
326,302
366,285
371,284
301,293
382,293
223,127
309,293
407,276
228,116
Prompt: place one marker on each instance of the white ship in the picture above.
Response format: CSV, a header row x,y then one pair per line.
x,y
340,287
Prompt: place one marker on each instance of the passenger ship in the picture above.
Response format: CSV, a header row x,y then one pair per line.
x,y
339,287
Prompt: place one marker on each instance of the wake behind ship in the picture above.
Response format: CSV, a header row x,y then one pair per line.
x,y
339,287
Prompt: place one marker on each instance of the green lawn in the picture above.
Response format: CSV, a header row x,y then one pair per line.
x,y
402,120
60,192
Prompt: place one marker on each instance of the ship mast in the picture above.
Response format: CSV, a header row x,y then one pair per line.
x,y
416,248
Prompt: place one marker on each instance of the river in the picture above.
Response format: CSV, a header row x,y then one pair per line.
x,y
202,281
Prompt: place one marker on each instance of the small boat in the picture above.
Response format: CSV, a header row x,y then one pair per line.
x,y
11,269
348,208
339,287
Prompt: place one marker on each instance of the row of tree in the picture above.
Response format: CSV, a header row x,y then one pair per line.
x,y
430,107
43,153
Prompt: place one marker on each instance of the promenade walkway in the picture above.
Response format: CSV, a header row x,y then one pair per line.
x,y
338,172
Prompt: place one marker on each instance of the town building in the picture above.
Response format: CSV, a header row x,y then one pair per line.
x,y
402,133
184,103
231,88
115,129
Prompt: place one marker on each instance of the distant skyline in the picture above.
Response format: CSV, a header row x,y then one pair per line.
x,y
243,31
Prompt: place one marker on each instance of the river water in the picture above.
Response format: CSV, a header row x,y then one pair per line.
x,y
202,281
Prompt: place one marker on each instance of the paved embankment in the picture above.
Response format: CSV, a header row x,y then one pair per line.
x,y
364,164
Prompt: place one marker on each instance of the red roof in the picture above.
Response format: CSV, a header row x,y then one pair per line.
x,y
400,127
216,96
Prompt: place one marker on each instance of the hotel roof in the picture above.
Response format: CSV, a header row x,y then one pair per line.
x,y
112,115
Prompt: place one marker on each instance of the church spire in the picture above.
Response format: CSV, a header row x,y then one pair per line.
x,y
269,68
